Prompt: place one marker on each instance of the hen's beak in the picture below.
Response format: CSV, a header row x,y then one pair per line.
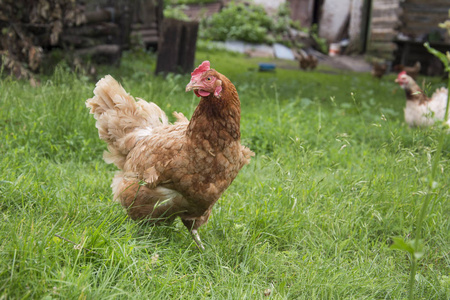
x,y
192,86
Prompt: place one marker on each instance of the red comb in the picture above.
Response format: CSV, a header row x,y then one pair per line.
x,y
401,73
204,66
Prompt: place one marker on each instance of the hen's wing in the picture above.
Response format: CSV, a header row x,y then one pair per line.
x,y
438,103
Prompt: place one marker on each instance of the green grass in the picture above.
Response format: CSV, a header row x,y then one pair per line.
x,y
337,175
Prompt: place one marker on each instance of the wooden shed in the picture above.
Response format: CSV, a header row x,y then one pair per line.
x,y
383,29
146,19
143,18
399,28
419,21
389,30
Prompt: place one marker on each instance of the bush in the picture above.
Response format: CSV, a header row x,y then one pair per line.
x,y
177,2
175,12
248,23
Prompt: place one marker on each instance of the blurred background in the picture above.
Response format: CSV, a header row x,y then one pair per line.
x,y
36,35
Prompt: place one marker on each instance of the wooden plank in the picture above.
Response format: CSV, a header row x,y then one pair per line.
x,y
146,15
383,36
136,26
383,26
77,41
418,30
425,17
429,2
176,46
102,53
145,32
387,6
356,27
96,16
384,30
302,11
188,42
152,40
94,30
169,46
382,46
147,12
384,21
426,7
384,14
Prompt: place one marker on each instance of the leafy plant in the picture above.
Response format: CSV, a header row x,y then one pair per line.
x,y
177,2
238,21
251,23
175,12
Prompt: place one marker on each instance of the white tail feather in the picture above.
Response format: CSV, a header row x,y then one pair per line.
x,y
121,121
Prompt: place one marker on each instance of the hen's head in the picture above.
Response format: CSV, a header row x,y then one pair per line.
x,y
205,81
404,80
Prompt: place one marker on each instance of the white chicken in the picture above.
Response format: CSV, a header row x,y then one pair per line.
x,y
420,110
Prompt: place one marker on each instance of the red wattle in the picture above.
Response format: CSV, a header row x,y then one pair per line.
x,y
203,93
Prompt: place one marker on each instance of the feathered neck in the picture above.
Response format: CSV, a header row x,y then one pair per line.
x,y
217,117
414,93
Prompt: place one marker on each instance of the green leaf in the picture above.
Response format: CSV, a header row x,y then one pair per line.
x,y
5,181
419,251
400,244
410,247
439,55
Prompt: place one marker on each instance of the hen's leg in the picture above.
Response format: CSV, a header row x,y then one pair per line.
x,y
192,226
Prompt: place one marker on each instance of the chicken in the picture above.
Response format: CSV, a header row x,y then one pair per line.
x,y
411,71
306,61
172,170
378,69
421,110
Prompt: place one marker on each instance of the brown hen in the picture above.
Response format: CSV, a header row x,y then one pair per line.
x,y
378,69
172,170
412,71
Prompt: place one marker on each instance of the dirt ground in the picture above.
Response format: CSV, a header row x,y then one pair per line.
x,y
344,62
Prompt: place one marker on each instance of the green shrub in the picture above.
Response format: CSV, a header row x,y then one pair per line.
x,y
175,12
248,23
251,23
176,2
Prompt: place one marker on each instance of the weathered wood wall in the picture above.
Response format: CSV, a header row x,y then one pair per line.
x,y
176,46
384,26
302,11
419,23
334,20
420,17
147,16
416,21
357,29
103,35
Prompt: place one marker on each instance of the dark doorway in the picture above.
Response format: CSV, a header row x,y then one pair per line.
x,y
366,17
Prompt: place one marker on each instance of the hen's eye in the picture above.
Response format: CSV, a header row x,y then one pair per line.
x,y
209,78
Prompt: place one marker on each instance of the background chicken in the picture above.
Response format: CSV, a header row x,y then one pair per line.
x,y
378,69
172,170
412,71
421,110
306,61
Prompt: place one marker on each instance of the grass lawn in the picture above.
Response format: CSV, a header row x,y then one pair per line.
x,y
337,175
